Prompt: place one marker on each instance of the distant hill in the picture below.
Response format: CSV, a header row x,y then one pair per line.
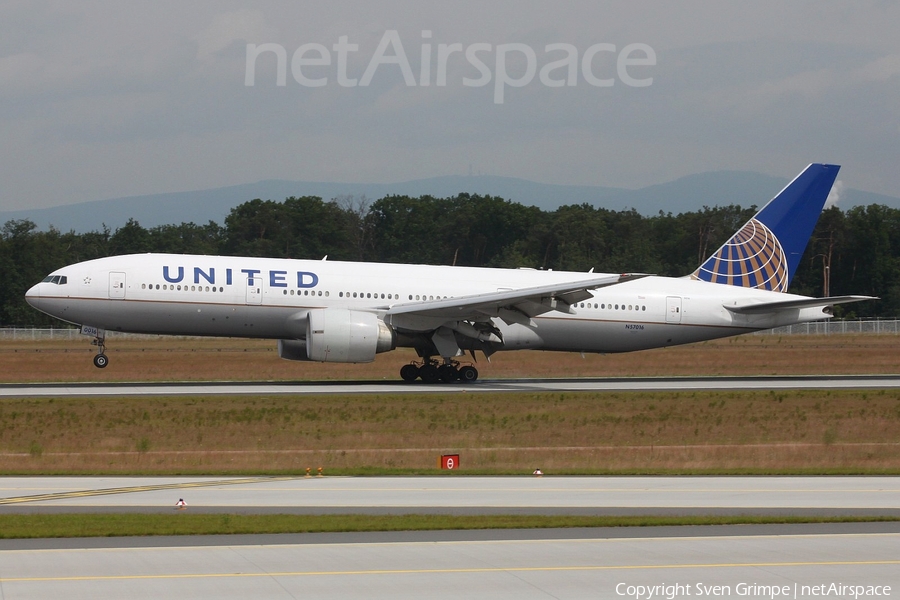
x,y
681,195
693,192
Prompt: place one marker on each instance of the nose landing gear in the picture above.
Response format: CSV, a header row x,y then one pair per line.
x,y
100,359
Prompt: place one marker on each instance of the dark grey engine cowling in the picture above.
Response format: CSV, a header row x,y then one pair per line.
x,y
292,349
341,335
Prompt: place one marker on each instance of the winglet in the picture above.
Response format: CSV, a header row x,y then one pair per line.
x,y
766,252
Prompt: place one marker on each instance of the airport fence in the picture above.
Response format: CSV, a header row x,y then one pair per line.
x,y
57,334
828,327
838,327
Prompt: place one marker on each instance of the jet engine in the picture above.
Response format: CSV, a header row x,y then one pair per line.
x,y
347,336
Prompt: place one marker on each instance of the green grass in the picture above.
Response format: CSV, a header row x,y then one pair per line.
x,y
184,523
733,432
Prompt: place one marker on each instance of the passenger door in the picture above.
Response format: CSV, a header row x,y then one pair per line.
x,y
254,290
116,285
673,309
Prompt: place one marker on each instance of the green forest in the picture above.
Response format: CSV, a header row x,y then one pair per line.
x,y
856,251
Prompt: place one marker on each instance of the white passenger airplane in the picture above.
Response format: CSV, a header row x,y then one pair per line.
x,y
331,311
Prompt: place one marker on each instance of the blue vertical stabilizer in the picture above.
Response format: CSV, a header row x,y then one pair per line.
x,y
766,251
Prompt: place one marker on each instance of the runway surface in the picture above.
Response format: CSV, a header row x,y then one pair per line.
x,y
487,385
752,566
458,495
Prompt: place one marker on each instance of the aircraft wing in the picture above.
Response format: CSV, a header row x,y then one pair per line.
x,y
770,307
513,306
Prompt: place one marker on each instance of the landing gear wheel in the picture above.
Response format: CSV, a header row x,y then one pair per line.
x,y
100,360
429,373
448,373
409,372
468,374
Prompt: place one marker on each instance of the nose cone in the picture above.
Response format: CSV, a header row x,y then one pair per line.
x,y
33,294
39,301
48,297
38,298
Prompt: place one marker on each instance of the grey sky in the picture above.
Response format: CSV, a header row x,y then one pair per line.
x,y
107,99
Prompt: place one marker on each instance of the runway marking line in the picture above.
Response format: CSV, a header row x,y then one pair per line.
x,y
579,490
139,488
451,571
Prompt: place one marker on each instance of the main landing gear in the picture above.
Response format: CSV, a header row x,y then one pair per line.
x,y
431,371
100,359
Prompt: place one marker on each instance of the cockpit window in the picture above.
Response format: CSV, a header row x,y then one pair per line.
x,y
57,279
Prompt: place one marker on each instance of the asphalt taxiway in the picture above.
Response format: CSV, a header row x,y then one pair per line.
x,y
556,566
858,496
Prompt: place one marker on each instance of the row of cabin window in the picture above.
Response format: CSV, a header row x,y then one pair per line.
x,y
389,296
369,295
193,288
385,296
200,288
611,306
306,293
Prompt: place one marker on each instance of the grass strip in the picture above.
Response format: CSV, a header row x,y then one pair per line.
x,y
184,523
719,432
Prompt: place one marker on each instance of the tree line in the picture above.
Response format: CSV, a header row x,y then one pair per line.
x,y
856,251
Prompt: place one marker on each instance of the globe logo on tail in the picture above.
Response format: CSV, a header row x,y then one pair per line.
x,y
752,258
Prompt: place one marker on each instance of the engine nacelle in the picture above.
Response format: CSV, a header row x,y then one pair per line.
x,y
348,336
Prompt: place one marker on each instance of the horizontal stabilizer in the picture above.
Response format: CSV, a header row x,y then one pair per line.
x,y
771,307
